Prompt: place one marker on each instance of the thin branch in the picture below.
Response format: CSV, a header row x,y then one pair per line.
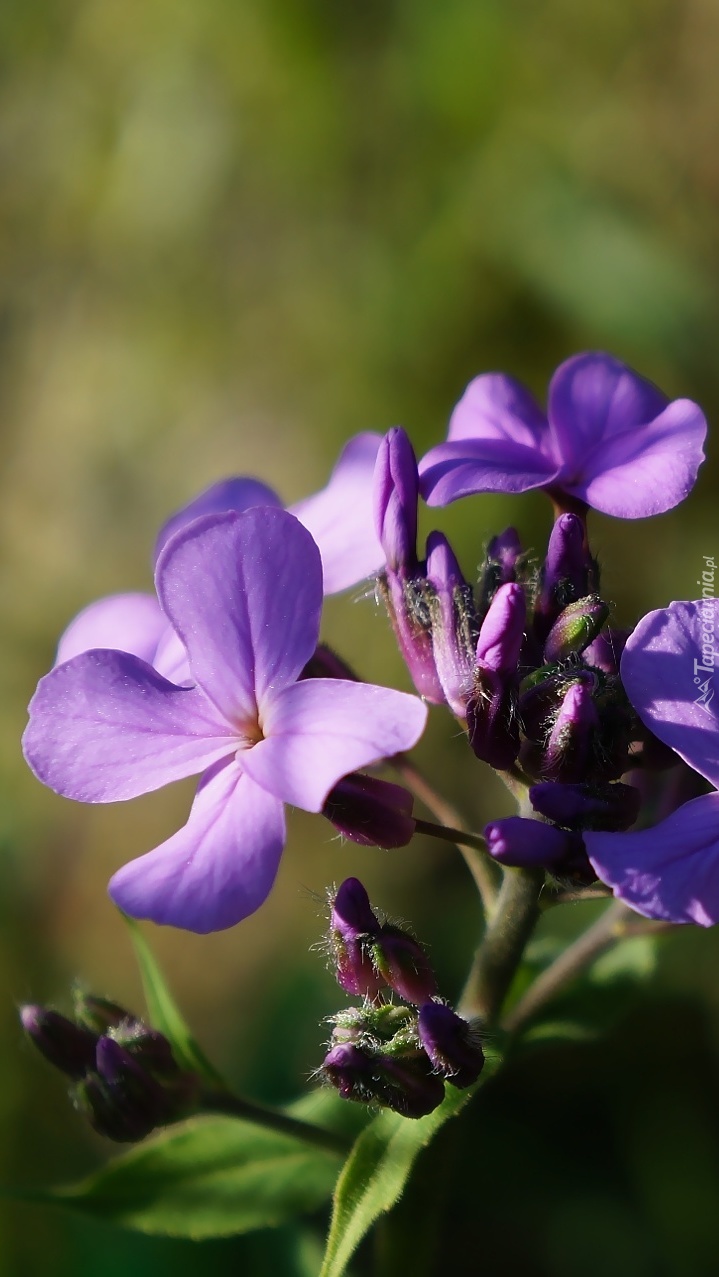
x,y
499,954
233,1106
460,837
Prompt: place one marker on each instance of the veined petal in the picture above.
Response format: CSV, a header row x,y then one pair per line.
x,y
240,493
340,517
592,398
244,593
463,467
125,622
218,868
105,726
670,669
646,469
496,406
319,730
669,872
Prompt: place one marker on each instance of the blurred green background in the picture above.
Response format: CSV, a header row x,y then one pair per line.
x,y
233,233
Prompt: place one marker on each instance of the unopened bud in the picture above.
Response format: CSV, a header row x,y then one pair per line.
x,y
502,631
502,560
526,844
403,965
571,740
372,812
453,623
69,1047
569,571
351,1071
599,807
97,1014
353,928
575,628
396,493
452,1046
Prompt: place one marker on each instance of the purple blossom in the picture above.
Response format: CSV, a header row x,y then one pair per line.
x,y
609,439
669,670
243,594
339,517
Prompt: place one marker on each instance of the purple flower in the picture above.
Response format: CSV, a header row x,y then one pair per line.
x,y
670,672
609,439
339,517
243,594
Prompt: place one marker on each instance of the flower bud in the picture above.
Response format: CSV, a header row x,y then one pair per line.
x,y
408,603
492,722
526,844
351,1071
605,651
371,812
569,571
453,1048
500,566
69,1047
396,494
403,965
327,664
97,1014
571,741
575,628
409,1085
353,927
600,807
453,623
502,631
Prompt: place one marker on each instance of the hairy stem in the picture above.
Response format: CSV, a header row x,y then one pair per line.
x,y
234,1106
481,869
499,954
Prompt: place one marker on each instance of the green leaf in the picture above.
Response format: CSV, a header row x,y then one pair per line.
x,y
165,1014
206,1177
632,959
377,1170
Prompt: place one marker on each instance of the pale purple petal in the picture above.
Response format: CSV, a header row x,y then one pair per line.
x,y
340,517
171,659
669,872
668,670
105,726
219,868
592,398
244,593
319,730
236,494
466,466
126,622
496,406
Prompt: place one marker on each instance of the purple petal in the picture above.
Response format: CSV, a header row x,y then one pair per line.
x,y
105,726
244,593
669,671
219,868
462,468
319,730
669,872
495,406
647,470
236,494
625,448
340,517
125,622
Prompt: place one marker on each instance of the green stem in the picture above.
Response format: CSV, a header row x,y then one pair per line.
x,y
482,870
499,954
233,1106
460,837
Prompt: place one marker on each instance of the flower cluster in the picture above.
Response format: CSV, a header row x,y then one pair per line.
x,y
124,1076
382,1052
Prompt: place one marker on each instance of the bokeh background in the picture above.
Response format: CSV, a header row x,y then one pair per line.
x,y
231,235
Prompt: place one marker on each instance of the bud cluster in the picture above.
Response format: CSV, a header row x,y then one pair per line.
x,y
398,1055
125,1079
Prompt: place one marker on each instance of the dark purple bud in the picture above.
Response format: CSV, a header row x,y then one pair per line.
x,y
500,638
67,1046
125,1099
453,623
353,929
327,664
492,722
575,628
605,651
148,1047
351,1071
500,566
371,812
571,741
396,493
452,1046
569,571
525,844
98,1014
410,1086
403,965
600,807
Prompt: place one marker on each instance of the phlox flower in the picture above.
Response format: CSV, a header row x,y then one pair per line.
x,y
339,517
242,593
669,670
609,439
